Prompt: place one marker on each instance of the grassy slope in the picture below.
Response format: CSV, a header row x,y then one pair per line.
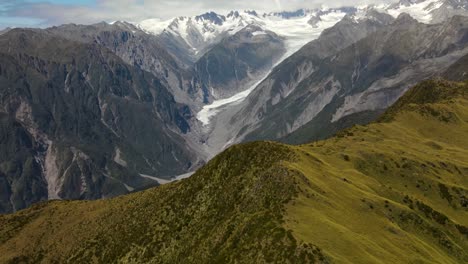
x,y
393,191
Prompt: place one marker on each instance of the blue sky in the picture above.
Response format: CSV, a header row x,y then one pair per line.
x,y
10,15
44,13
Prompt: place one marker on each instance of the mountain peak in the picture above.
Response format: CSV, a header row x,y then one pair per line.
x,y
251,12
349,18
212,17
366,15
233,14
405,18
410,2
3,31
291,14
375,14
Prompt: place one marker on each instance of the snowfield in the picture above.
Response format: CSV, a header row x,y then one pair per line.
x,y
419,11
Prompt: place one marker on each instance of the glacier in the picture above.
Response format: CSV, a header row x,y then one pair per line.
x,y
297,32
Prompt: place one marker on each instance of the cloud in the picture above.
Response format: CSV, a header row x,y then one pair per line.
x,y
46,13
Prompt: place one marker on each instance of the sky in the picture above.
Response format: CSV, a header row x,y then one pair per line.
x,y
44,13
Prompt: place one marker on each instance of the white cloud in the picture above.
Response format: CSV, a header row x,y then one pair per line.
x,y
136,10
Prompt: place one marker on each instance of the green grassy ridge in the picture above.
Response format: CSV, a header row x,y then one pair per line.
x,y
390,192
427,93
230,210
393,191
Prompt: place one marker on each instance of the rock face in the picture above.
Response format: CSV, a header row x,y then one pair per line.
x,y
458,71
141,50
4,31
233,64
21,179
448,9
82,122
315,87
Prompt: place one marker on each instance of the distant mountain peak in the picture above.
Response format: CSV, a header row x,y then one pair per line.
x,y
233,14
212,17
410,2
368,13
429,11
251,12
290,14
405,18
197,33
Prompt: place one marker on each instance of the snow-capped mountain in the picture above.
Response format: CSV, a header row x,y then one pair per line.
x,y
428,11
196,34
190,37
421,10
418,9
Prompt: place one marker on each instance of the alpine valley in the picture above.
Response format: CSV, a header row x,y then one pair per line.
x,y
327,135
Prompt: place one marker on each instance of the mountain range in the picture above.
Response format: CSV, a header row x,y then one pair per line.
x,y
97,111
391,191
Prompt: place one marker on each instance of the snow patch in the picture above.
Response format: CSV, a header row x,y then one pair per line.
x,y
419,11
118,158
165,180
257,33
129,188
154,26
